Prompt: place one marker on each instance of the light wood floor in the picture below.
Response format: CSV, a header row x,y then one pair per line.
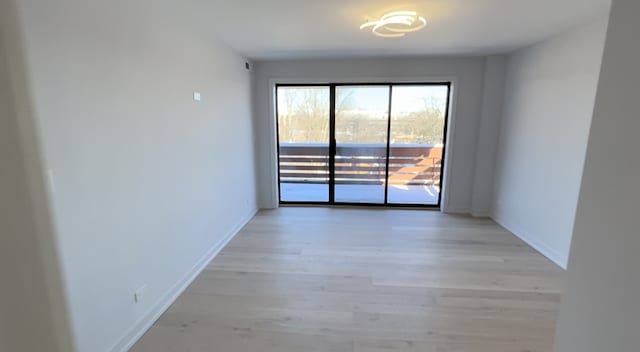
x,y
355,280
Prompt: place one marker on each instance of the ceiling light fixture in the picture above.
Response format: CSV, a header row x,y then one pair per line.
x,y
396,24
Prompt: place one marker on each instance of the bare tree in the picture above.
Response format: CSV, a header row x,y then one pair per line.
x,y
303,117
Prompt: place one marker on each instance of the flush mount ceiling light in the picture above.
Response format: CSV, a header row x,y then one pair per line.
x,y
396,24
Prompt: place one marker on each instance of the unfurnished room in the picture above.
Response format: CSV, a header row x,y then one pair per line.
x,y
329,176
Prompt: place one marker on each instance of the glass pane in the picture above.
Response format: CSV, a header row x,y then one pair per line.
x,y
362,114
416,143
303,132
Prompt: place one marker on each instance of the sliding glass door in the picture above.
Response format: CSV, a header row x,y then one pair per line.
x,y
376,144
416,143
361,123
303,143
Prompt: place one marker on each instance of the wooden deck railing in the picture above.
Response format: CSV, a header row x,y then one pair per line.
x,y
361,164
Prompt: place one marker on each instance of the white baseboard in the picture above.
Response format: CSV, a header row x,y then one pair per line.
x,y
466,211
451,210
552,254
480,213
136,332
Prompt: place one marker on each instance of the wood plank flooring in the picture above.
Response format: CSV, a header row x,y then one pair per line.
x,y
359,280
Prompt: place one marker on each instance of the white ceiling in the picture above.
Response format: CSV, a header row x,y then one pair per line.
x,y
268,29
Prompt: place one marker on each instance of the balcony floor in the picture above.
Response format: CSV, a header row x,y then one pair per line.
x,y
352,193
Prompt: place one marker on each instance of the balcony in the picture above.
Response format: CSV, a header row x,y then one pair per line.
x,y
360,173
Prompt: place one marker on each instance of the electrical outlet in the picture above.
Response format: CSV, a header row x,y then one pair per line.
x,y
197,96
138,296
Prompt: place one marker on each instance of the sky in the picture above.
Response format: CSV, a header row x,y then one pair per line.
x,y
404,98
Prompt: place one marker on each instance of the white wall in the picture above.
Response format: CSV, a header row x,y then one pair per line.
x,y
32,305
550,91
468,75
600,310
148,183
488,135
